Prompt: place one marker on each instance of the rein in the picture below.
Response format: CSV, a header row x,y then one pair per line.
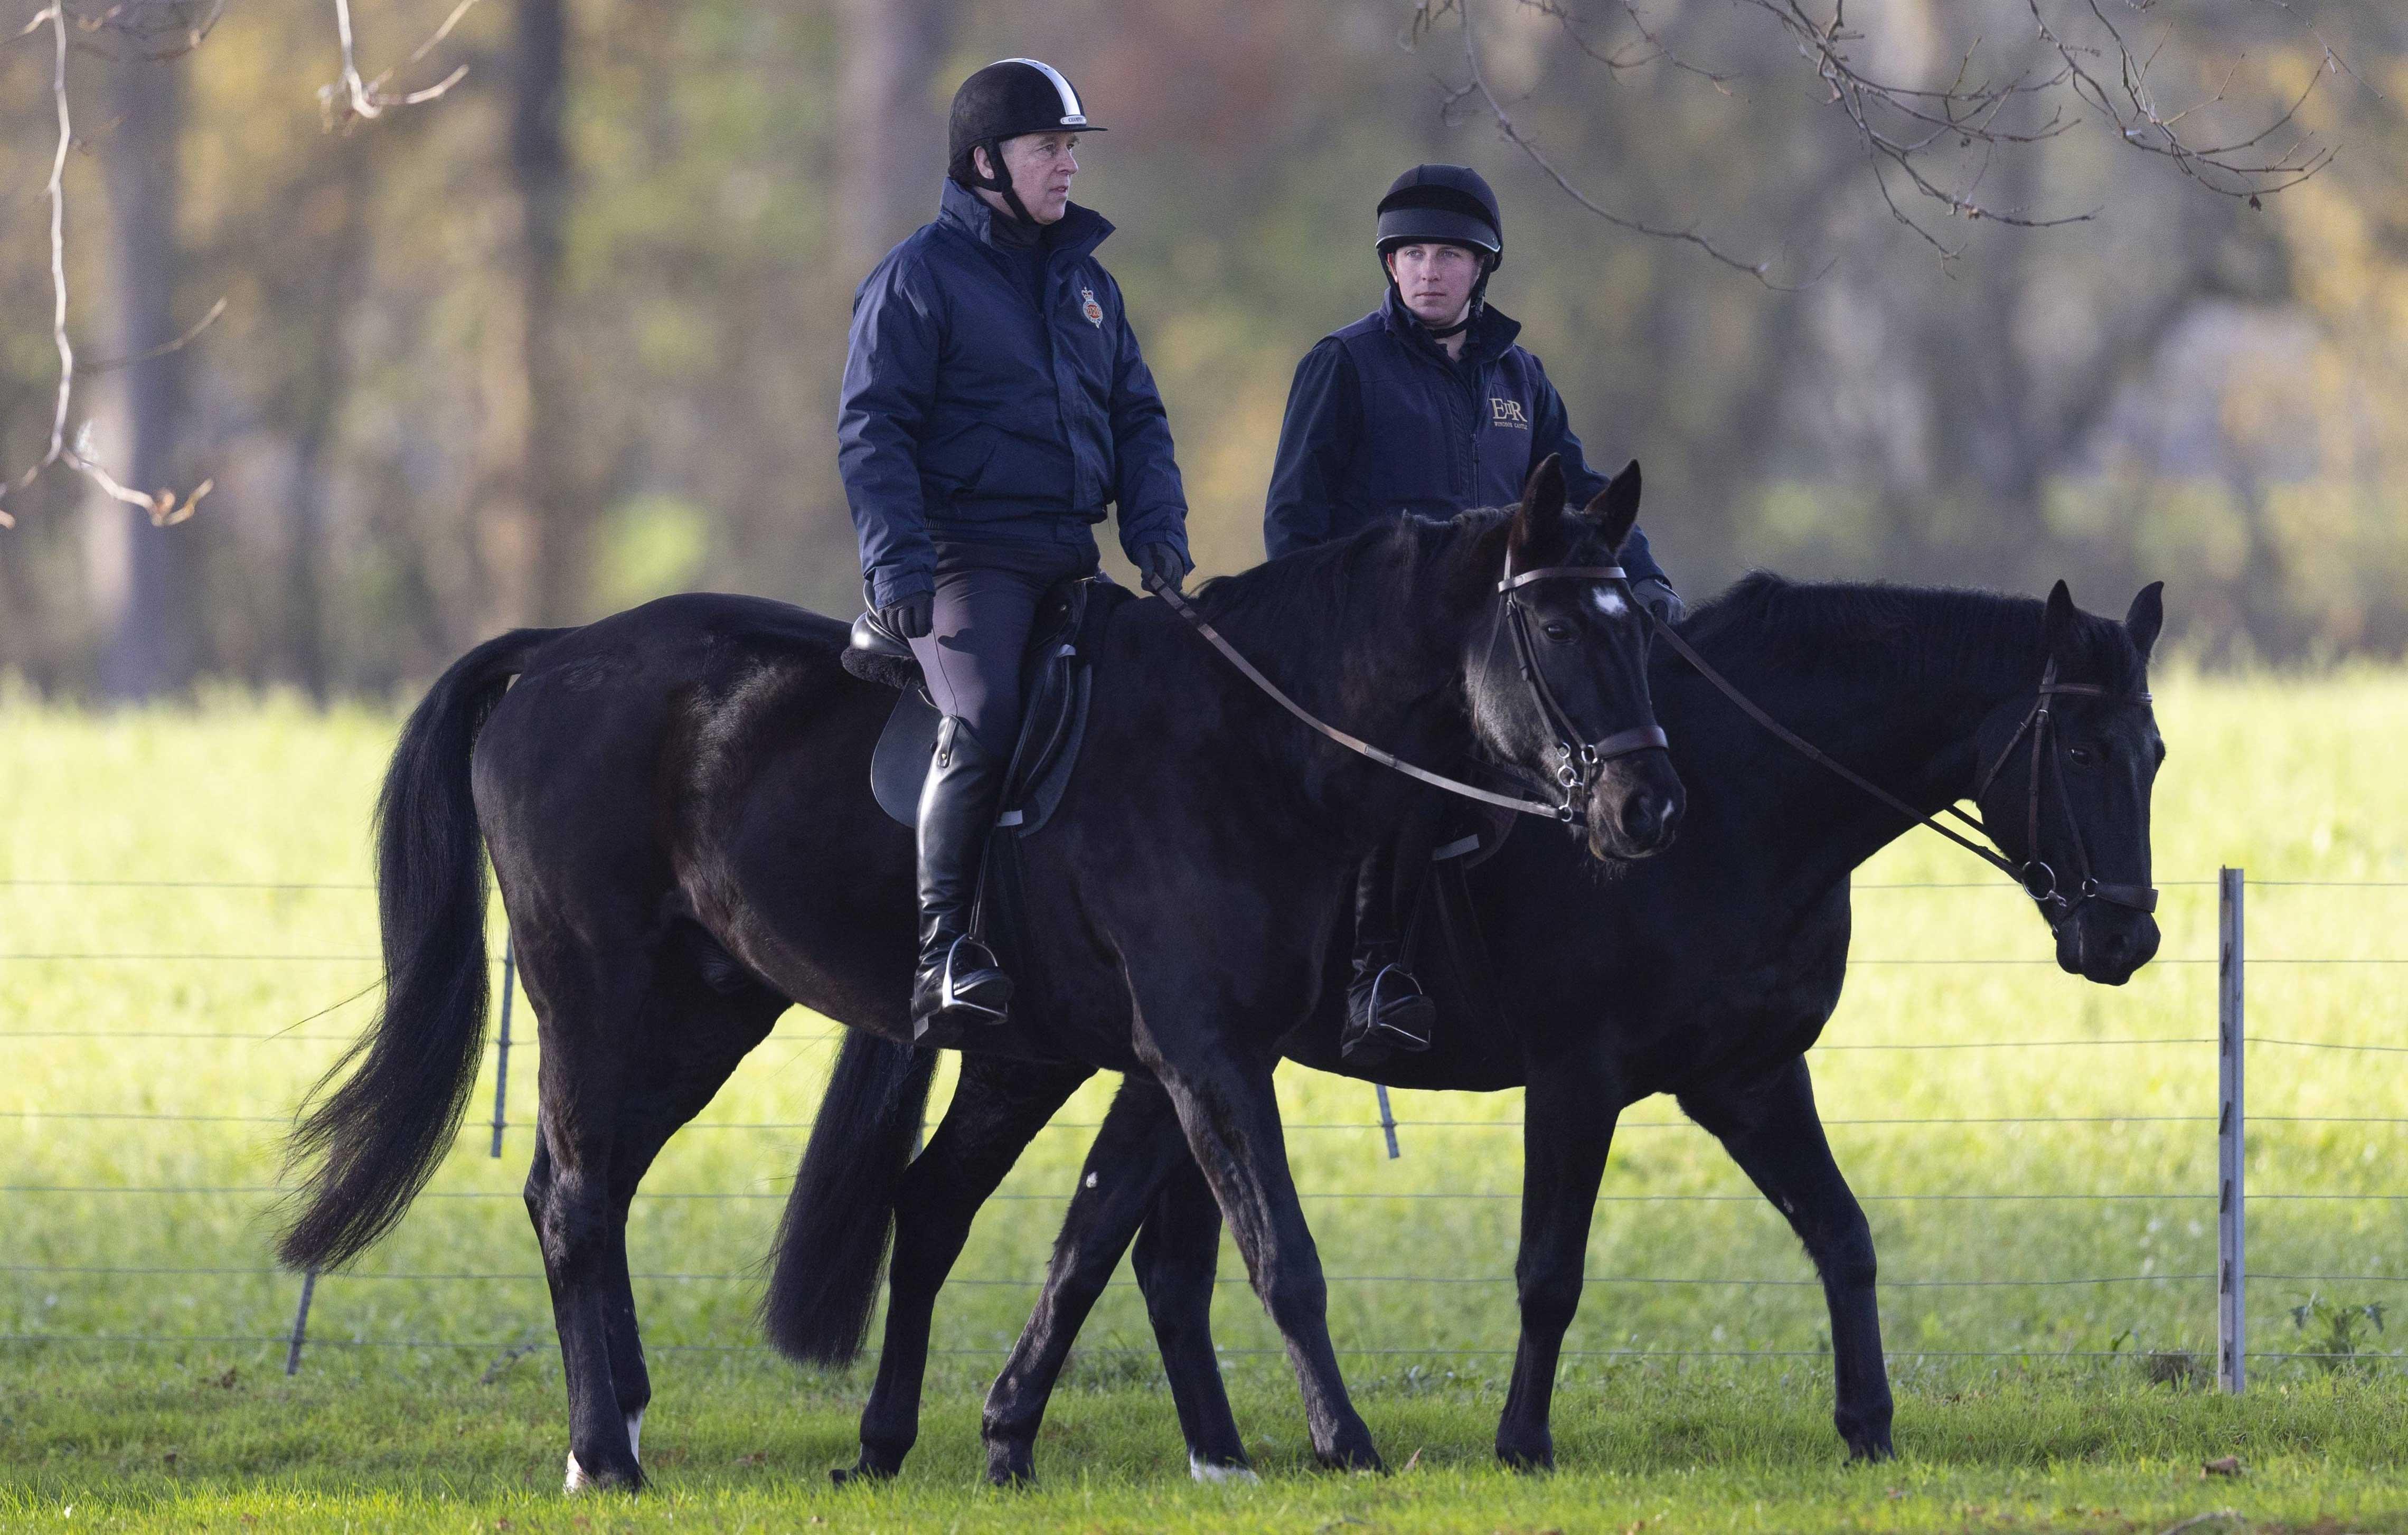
x,y
2038,880
1580,760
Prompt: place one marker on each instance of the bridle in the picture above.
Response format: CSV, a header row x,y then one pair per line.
x,y
1578,761
1581,760
2038,880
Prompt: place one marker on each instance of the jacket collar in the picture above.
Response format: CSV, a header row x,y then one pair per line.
x,y
1491,335
1080,231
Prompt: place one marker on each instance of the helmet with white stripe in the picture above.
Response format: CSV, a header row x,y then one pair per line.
x,y
1004,100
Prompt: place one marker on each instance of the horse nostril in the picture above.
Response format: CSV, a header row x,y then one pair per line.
x,y
1641,815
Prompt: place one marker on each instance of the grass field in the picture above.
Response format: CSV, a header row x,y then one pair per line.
x,y
141,1381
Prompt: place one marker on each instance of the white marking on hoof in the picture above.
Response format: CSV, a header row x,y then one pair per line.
x,y
577,1481
635,1432
1203,1472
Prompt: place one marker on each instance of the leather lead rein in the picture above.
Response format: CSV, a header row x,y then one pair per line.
x,y
2037,879
1580,759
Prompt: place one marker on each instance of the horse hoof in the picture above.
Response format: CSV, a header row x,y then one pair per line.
x,y
1010,1465
1529,1461
606,1479
1205,1470
1353,1458
864,1469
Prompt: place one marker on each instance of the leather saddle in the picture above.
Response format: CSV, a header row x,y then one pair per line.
x,y
1056,681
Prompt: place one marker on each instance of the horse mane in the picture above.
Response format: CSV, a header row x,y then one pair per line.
x,y
1768,621
1287,602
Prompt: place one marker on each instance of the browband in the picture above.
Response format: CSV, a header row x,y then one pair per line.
x,y
1571,572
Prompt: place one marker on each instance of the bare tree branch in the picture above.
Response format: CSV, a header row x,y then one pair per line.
x,y
163,506
1426,15
178,344
2132,105
349,97
1914,135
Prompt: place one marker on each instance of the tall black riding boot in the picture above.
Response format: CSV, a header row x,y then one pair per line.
x,y
958,980
1385,1008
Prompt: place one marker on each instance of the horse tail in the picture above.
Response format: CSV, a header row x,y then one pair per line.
x,y
831,1248
377,1139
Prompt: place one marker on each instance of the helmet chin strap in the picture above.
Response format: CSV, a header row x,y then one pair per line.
x,y
1001,181
1470,309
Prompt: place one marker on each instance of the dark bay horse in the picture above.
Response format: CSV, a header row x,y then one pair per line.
x,y
676,803
1721,960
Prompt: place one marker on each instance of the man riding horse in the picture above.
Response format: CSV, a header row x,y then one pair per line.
x,y
1425,406
994,402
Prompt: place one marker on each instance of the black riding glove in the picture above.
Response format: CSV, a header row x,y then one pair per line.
x,y
1658,597
1163,565
911,618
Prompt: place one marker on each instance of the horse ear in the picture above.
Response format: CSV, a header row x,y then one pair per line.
x,y
2146,617
1616,507
1538,521
2060,624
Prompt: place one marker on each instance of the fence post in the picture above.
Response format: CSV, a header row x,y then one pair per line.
x,y
301,1323
1388,1120
502,1054
2231,1124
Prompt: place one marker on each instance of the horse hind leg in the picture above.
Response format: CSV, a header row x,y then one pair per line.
x,y
998,1107
1138,1144
683,1039
1177,1258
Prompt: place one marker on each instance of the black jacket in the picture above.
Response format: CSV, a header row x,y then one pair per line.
x,y
972,413
1381,422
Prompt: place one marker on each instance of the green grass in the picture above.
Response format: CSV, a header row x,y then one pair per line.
x,y
2295,780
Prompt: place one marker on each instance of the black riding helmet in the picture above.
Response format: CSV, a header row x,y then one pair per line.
x,y
1004,100
1447,205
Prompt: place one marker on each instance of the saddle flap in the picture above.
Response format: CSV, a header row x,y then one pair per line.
x,y
1055,682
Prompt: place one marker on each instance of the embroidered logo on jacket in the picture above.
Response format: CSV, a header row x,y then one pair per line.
x,y
1088,306
1502,412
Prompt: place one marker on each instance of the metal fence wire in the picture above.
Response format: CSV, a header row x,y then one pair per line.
x,y
2232,1044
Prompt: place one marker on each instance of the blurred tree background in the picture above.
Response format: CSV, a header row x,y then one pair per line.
x,y
569,336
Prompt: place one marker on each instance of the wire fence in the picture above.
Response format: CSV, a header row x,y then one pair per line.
x,y
2232,1043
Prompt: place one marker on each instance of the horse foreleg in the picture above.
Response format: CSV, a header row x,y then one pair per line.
x,y
997,1108
1136,1147
1769,1125
1231,1120
1568,1128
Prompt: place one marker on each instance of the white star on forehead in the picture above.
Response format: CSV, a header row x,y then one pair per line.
x,y
1608,601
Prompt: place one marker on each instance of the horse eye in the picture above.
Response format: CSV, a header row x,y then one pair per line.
x,y
2083,756
1558,631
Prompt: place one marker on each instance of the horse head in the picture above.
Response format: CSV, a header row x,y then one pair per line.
x,y
1558,678
2066,788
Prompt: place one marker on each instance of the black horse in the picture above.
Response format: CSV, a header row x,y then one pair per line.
x,y
676,807
1721,961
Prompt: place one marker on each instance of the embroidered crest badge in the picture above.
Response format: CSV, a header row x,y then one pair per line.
x,y
1088,306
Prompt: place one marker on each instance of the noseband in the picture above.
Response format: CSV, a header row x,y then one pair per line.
x,y
1581,760
2038,880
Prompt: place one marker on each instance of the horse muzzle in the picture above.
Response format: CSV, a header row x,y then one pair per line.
x,y
2105,943
1636,807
